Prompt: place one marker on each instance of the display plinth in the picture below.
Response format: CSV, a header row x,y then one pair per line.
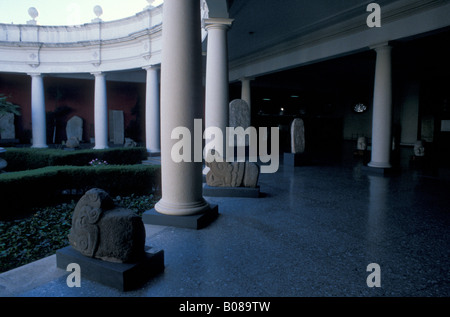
x,y
121,276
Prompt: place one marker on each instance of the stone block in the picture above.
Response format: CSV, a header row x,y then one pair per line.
x,y
121,276
116,127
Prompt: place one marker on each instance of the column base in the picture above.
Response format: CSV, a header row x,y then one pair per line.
x,y
378,170
40,146
122,276
199,221
154,153
379,164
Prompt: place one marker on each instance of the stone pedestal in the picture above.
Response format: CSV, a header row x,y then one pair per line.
x,y
379,170
121,276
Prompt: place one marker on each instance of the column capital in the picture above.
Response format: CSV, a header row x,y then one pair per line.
x,y
246,79
381,46
35,74
221,23
154,66
96,74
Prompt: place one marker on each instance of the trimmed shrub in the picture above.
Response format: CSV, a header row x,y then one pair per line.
x,y
21,191
20,159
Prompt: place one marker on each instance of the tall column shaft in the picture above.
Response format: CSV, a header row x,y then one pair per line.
x,y
38,121
100,112
152,111
246,90
216,90
181,104
382,110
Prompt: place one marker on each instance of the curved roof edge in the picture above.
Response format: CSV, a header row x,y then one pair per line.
x,y
127,43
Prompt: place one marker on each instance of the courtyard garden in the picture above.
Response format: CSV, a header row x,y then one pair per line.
x,y
40,188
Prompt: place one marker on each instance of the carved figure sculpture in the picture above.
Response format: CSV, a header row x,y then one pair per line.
x,y
225,174
102,230
361,143
419,148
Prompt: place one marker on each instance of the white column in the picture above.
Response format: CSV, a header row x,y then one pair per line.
x,y
152,111
216,89
382,109
181,103
38,122
246,91
100,112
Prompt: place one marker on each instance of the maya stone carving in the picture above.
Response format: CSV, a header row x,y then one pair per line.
x,y
297,136
236,174
103,231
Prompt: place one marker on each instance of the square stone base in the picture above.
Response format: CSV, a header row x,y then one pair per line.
x,y
199,221
295,159
121,276
248,192
378,170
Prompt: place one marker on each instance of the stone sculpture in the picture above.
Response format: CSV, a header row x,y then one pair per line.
x,y
361,144
7,128
297,136
236,174
129,143
72,143
74,128
419,148
103,231
239,116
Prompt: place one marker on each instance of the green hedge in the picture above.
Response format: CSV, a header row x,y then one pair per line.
x,y
21,191
20,159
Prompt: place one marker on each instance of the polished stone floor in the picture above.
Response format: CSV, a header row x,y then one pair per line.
x,y
313,232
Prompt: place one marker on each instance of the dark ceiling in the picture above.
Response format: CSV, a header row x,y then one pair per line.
x,y
260,24
349,79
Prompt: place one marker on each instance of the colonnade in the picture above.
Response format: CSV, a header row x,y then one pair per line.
x,y
181,102
152,122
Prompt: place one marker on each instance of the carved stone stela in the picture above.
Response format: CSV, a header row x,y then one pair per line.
x,y
297,136
103,231
236,174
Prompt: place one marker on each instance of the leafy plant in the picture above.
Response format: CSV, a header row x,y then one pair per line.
x,y
42,234
7,106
